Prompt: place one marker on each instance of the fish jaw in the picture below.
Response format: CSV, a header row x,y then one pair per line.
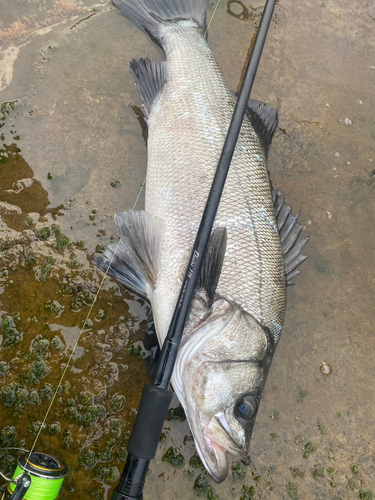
x,y
214,459
214,444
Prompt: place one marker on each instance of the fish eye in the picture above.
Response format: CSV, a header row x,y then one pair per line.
x,y
246,408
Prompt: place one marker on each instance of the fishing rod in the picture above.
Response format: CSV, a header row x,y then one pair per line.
x,y
156,397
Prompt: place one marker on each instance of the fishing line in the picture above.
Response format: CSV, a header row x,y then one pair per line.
x,y
42,425
80,333
209,24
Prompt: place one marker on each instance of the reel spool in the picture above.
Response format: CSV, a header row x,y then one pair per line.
x,y
46,473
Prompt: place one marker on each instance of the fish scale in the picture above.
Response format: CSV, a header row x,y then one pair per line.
x,y
177,187
237,313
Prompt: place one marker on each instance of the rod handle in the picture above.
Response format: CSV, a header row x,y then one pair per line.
x,y
143,442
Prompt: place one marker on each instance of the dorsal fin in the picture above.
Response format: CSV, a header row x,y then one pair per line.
x,y
213,263
264,120
135,261
150,77
291,243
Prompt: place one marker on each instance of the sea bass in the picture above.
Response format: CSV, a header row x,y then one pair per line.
x,y
237,314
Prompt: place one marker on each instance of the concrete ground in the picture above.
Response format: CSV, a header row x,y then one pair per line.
x,y
73,152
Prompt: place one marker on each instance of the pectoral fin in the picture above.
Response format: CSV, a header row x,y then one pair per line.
x,y
134,262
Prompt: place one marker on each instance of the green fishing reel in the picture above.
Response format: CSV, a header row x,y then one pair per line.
x,y
38,476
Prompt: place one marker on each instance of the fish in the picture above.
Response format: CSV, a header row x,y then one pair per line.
x,y
237,314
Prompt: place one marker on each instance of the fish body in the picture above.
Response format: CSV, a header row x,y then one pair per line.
x,y
237,314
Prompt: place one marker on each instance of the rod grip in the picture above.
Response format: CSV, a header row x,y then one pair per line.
x,y
143,441
149,422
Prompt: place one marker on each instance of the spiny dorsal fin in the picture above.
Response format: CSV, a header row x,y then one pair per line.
x,y
136,260
291,243
150,77
264,120
213,263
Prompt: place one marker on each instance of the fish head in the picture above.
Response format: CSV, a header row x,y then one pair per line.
x,y
222,369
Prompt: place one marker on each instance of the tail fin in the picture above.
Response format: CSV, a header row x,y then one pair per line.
x,y
148,15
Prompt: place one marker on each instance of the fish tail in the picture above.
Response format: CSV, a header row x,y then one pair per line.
x,y
151,15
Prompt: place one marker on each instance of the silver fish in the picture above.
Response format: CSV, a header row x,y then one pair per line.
x,y
238,312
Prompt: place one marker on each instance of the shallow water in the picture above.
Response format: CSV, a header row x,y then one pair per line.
x,y
69,127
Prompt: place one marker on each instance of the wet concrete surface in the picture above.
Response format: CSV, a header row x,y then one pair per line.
x,y
73,153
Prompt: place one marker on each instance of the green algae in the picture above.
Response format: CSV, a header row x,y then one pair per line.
x,y
176,414
44,233
46,268
118,402
297,472
351,484
35,427
12,334
105,455
195,461
54,429
318,472
115,183
40,347
46,392
135,350
355,469
8,465
301,396
308,448
238,470
7,435
38,370
89,459
174,457
122,454
57,343
30,262
62,243
97,494
4,367
107,474
202,486
292,490
365,495
40,355
247,492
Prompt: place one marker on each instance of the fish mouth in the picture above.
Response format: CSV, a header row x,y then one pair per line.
x,y
214,459
218,441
